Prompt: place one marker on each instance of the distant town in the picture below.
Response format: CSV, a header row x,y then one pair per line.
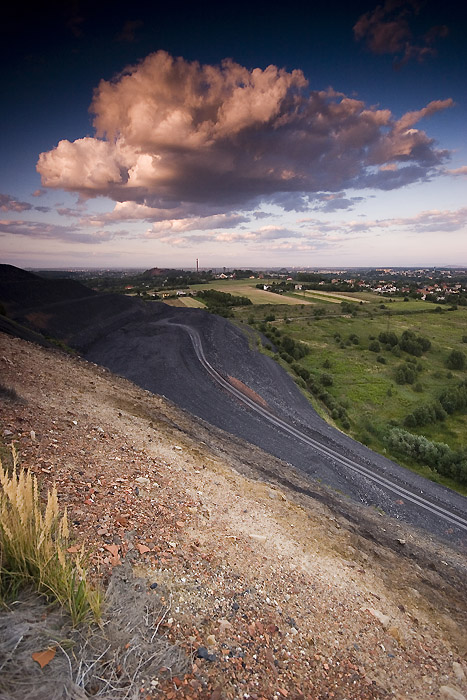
x,y
439,285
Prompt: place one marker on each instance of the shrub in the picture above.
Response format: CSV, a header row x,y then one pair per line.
x,y
405,375
326,379
381,359
388,338
456,360
374,346
414,344
437,455
33,544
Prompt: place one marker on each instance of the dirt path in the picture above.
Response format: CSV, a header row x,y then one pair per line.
x,y
274,593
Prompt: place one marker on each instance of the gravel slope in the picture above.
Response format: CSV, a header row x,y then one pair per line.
x,y
274,592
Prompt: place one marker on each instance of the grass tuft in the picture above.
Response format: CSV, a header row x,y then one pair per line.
x,y
33,547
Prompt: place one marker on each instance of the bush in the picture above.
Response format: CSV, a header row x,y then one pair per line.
x,y
414,344
388,338
405,375
374,346
437,455
456,360
326,379
381,359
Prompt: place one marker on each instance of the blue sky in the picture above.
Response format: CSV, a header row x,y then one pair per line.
x,y
243,136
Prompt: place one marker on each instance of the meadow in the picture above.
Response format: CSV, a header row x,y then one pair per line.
x,y
247,288
360,373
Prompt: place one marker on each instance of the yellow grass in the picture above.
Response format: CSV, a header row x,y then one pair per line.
x,y
248,289
33,546
335,297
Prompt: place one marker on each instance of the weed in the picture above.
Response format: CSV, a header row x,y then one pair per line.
x,y
33,547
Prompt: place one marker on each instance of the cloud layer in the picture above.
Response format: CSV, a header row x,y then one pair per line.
x,y
184,139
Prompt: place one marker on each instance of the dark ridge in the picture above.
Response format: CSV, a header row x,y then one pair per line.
x,y
20,290
65,309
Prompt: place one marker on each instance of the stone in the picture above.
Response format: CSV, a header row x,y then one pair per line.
x,y
447,692
203,653
381,617
258,538
458,671
142,480
211,640
33,435
223,626
396,634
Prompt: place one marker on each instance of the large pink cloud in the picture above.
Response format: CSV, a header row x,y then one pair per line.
x,y
177,136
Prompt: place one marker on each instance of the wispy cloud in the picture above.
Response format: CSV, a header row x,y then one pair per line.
x,y
458,171
388,30
176,139
8,203
44,231
429,221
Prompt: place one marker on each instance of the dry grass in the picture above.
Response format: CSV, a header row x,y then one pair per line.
x,y
33,547
112,660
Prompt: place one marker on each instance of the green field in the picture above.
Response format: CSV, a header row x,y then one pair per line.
x,y
247,288
364,382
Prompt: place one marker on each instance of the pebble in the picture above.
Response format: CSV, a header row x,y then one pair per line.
x,y
33,435
7,433
203,653
142,480
211,640
458,671
449,693
381,617
258,538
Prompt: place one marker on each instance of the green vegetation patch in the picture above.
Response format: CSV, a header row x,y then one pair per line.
x,y
381,369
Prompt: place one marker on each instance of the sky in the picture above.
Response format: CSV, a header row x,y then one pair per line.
x,y
241,135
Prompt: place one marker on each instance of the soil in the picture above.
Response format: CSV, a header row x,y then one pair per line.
x,y
272,586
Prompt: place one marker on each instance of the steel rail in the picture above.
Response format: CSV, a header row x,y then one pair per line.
x,y
381,481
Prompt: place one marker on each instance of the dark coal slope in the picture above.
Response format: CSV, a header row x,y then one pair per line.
x,y
147,343
66,309
159,356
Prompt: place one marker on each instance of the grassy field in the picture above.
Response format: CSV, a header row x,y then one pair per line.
x,y
247,288
364,382
189,302
334,297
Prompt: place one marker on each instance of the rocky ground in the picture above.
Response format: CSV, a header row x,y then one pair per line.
x,y
272,587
